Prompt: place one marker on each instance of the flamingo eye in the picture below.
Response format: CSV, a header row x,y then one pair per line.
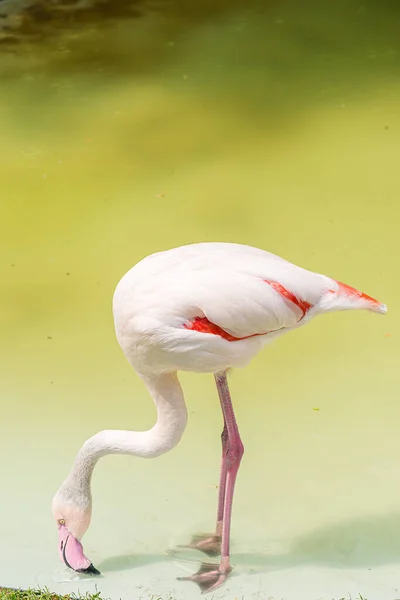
x,y
61,521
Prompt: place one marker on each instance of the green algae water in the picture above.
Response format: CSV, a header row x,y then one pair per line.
x,y
130,128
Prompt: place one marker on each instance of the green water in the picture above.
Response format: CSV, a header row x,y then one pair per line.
x,y
266,123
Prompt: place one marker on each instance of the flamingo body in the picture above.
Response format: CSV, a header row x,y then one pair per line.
x,y
238,289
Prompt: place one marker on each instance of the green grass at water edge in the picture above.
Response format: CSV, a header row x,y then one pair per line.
x,y
45,594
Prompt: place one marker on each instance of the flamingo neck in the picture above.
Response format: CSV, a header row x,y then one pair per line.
x,y
171,421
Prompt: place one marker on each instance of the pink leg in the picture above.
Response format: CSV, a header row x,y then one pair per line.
x,y
234,455
222,477
209,577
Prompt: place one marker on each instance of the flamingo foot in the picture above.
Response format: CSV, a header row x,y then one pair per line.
x,y
208,543
210,576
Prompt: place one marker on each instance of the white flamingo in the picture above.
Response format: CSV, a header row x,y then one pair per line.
x,y
205,308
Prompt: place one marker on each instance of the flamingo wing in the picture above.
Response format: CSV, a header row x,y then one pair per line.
x,y
241,305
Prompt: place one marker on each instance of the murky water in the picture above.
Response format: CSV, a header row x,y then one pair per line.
x,y
123,133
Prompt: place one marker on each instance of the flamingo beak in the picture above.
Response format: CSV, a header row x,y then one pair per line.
x,y
71,553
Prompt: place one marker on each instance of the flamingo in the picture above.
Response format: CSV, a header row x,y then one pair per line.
x,y
205,307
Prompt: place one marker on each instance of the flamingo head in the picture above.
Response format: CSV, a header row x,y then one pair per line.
x,y
72,512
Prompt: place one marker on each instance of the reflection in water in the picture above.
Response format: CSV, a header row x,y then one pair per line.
x,y
359,542
263,123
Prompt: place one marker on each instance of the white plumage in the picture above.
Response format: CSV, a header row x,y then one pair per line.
x,y
226,283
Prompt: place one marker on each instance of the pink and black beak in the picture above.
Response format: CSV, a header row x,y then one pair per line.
x,y
71,553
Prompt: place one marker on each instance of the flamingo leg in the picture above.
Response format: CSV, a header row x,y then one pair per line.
x,y
211,576
222,479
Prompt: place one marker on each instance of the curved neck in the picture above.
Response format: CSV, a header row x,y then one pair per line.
x,y
167,395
